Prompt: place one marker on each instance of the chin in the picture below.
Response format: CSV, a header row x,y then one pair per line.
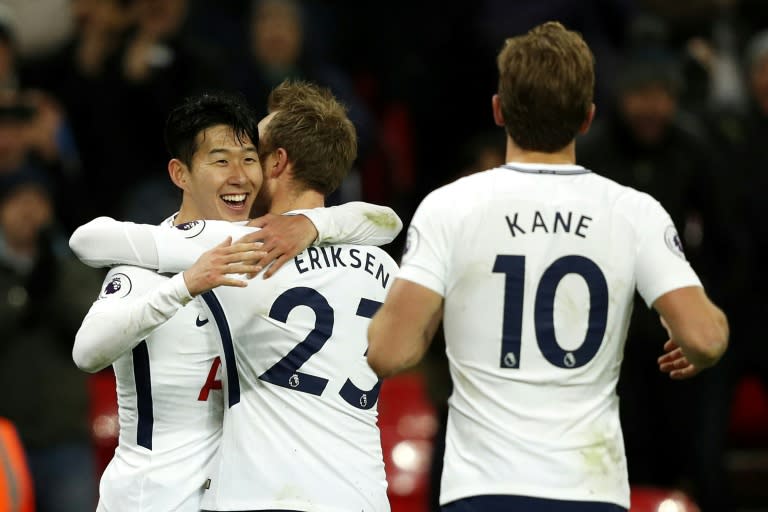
x,y
233,216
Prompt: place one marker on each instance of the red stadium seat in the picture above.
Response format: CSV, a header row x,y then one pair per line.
x,y
749,412
655,499
103,417
408,423
17,492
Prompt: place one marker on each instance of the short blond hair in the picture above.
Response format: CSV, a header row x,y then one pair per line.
x,y
315,131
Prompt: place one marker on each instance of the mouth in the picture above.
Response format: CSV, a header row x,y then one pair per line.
x,y
235,201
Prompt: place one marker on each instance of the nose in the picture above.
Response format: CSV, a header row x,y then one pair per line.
x,y
238,175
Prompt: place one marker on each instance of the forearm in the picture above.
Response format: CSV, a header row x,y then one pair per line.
x,y
705,340
401,331
383,358
104,242
112,327
355,223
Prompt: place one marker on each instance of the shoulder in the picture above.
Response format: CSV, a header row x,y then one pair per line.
x,y
458,196
125,280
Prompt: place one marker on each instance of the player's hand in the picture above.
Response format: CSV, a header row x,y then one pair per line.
x,y
675,363
216,266
283,237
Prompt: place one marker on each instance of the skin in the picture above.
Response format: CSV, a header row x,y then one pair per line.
x,y
23,214
223,166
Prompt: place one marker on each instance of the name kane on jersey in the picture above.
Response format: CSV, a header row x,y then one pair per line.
x,y
557,223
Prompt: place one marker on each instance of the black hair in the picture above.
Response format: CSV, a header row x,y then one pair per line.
x,y
200,112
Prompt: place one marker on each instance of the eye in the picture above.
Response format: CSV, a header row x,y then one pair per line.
x,y
250,160
221,162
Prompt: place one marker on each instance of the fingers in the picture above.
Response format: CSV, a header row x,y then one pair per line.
x,y
226,242
678,368
238,283
276,265
669,346
676,364
262,221
242,268
255,237
685,373
253,257
670,356
268,259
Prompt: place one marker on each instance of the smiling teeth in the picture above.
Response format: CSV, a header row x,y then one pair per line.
x,y
234,197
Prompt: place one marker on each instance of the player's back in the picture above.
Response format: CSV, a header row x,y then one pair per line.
x,y
300,432
542,265
170,421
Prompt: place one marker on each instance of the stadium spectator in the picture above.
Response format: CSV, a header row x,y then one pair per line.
x,y
279,50
45,293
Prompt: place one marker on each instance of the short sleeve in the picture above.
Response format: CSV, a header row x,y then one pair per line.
x,y
427,246
661,265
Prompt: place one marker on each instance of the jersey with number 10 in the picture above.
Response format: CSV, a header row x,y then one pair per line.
x,y
538,266
300,427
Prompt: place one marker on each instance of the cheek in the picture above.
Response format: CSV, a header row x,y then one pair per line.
x,y
256,177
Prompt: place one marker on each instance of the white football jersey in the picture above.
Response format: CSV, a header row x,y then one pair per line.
x,y
170,409
170,406
538,265
300,429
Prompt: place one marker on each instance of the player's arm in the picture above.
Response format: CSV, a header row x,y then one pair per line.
x,y
356,223
698,332
104,242
697,328
401,331
359,223
134,302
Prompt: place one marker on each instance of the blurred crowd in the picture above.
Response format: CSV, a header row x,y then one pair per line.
x,y
85,86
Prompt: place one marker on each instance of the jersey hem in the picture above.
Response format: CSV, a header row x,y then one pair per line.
x,y
461,492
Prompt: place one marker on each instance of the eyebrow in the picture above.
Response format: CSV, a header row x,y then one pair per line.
x,y
246,149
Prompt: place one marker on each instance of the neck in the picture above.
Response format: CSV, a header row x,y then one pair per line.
x,y
291,200
566,155
187,212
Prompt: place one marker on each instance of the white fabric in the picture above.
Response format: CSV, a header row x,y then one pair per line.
x,y
112,328
354,223
285,448
539,420
182,354
104,241
184,430
165,357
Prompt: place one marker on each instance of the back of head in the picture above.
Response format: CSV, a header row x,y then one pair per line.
x,y
200,112
546,84
313,128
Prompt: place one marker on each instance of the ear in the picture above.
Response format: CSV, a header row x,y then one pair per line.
x,y
498,116
178,173
279,163
584,128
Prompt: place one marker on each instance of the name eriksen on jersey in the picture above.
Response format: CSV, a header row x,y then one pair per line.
x,y
330,256
559,223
